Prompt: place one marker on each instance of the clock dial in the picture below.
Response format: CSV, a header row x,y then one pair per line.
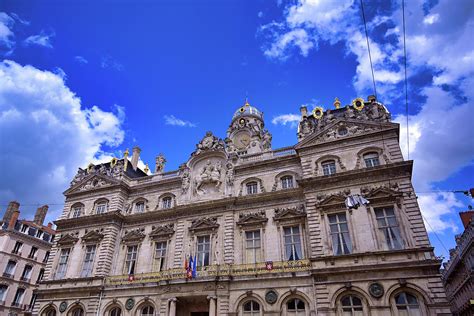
x,y
242,140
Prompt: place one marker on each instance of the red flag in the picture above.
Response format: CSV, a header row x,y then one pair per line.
x,y
186,263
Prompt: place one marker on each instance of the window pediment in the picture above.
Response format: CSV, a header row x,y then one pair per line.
x,y
67,240
289,213
164,231
204,224
333,201
252,219
382,193
92,237
133,236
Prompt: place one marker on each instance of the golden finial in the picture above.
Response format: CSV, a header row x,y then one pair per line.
x,y
126,153
146,168
337,103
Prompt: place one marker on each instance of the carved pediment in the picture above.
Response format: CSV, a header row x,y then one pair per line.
x,y
92,237
340,129
289,213
67,240
203,224
209,143
133,236
382,192
249,219
165,231
92,182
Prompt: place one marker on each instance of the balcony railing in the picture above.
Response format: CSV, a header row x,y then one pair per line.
x,y
8,275
25,279
286,151
214,271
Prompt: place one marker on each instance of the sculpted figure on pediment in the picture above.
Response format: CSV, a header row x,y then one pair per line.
x,y
81,174
229,175
210,173
185,179
209,142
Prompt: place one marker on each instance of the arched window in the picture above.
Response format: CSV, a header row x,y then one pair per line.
x,y
352,306
167,202
251,308
140,207
407,304
329,167
296,307
49,312
371,159
252,187
101,206
77,210
3,291
78,311
286,182
116,311
148,311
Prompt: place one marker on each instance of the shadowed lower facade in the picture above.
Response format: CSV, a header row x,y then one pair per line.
x,y
329,226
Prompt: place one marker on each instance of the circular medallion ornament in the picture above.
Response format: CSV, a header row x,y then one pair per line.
x,y
318,112
376,290
129,304
358,104
62,306
271,297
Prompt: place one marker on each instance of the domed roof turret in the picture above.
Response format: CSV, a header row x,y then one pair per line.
x,y
247,109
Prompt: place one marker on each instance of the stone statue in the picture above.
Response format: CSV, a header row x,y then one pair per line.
x,y
229,175
186,180
209,174
209,142
160,162
267,141
81,174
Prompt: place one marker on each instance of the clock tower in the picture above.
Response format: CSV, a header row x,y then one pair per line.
x,y
247,133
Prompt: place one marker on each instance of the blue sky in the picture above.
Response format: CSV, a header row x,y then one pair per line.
x,y
81,81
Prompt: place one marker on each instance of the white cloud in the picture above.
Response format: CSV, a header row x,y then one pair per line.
x,y
109,62
81,60
294,38
291,119
17,18
172,120
42,39
7,41
46,134
260,14
439,205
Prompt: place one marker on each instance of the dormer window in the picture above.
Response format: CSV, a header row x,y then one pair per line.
x,y
76,212
140,207
371,159
101,206
287,182
252,187
329,167
166,202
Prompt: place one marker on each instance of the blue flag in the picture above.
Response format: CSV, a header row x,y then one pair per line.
x,y
194,267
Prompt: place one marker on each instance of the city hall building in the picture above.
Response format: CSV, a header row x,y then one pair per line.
x,y
327,226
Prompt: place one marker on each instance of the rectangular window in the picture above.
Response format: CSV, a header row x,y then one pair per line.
x,y
88,263
9,269
166,203
46,257
203,250
77,212
341,240
33,252
329,168
26,275
252,188
32,231
160,256
40,276
253,248
17,247
32,301
371,160
287,182
388,225
24,228
3,291
131,259
18,297
292,240
139,207
39,234
62,265
101,208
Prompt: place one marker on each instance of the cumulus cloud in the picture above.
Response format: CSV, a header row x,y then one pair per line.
x,y
81,60
46,134
447,100
172,120
284,119
42,39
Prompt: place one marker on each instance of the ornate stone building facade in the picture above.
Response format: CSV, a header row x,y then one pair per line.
x,y
458,273
329,226
24,251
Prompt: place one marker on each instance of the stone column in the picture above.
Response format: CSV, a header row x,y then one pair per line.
x,y
172,307
212,305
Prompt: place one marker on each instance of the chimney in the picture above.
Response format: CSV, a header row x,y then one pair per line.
x,y
40,214
135,157
14,218
12,206
304,111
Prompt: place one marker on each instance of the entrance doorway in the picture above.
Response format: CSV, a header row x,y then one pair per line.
x,y
192,306
199,314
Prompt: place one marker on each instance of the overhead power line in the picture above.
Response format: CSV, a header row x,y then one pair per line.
x,y
406,81
368,46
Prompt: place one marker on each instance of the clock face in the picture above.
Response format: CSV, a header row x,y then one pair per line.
x,y
242,140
